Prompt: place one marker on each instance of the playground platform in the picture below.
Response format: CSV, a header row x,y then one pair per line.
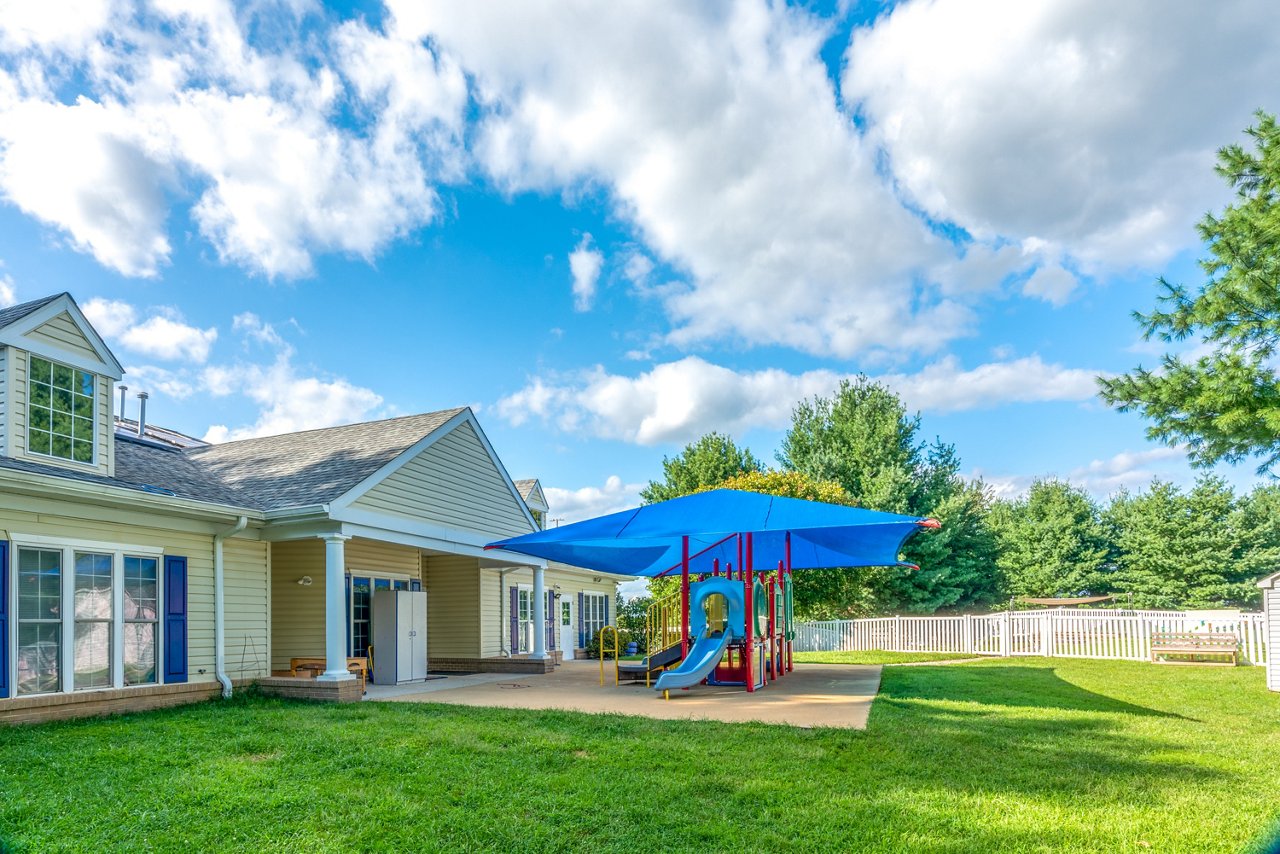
x,y
814,695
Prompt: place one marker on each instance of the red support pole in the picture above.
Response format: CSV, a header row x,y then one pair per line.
x,y
715,568
739,557
684,596
786,644
751,619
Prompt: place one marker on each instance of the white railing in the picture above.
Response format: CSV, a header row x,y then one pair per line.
x,y
1063,633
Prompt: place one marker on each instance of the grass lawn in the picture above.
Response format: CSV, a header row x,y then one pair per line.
x,y
1001,755
877,656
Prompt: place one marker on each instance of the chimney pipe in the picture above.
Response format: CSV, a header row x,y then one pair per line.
x,y
142,412
123,401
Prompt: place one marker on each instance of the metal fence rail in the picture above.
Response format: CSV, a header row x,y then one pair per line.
x,y
1063,633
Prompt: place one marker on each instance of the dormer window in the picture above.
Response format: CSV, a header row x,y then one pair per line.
x,y
60,407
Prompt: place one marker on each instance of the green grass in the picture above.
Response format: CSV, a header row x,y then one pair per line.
x,y
877,656
1002,755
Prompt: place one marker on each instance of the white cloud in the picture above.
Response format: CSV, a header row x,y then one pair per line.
x,y
1132,470
716,132
179,104
252,327
678,401
111,318
1051,283
66,25
1087,125
171,339
164,335
585,263
8,295
288,400
587,502
946,387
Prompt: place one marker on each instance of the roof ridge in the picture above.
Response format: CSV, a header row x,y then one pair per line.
x,y
452,410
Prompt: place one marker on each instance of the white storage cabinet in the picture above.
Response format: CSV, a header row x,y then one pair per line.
x,y
399,636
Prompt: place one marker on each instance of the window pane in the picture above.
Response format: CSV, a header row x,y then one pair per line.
x,y
93,655
39,654
139,653
62,377
38,418
82,452
140,590
93,587
39,585
41,370
61,400
41,394
60,422
60,447
83,406
38,441
84,384
82,428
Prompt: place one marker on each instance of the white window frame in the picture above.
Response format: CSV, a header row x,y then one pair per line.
x,y
594,616
69,547
523,626
26,442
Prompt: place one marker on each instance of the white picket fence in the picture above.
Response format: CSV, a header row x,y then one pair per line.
x,y
1062,633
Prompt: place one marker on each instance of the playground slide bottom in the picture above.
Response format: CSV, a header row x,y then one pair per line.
x,y
653,662
702,659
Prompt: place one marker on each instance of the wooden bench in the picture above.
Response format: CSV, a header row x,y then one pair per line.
x,y
1195,644
313,667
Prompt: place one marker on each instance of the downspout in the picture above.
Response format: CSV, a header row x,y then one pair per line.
x,y
219,599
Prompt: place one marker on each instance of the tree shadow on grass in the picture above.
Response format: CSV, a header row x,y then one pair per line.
x,y
1029,687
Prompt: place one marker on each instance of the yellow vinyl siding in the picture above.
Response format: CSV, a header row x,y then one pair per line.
x,y
63,333
104,447
453,606
297,611
247,616
495,599
246,565
453,483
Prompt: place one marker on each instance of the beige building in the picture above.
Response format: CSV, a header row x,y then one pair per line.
x,y
140,567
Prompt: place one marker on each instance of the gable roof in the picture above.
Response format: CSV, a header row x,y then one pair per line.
x,y
16,322
525,486
14,313
314,466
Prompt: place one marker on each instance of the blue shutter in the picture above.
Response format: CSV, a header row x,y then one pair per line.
x,y
606,609
175,619
582,629
348,617
515,619
551,620
4,619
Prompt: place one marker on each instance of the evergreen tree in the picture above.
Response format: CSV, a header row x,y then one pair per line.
x,y
1051,543
1225,405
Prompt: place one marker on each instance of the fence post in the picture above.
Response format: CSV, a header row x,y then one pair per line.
x,y
1006,635
968,633
1046,633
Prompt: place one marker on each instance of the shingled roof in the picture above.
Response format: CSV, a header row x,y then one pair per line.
x,y
313,466
524,487
14,313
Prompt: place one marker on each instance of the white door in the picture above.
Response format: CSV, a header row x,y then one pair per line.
x,y
568,637
418,635
404,644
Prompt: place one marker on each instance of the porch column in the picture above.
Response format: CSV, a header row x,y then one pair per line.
x,y
335,608
539,615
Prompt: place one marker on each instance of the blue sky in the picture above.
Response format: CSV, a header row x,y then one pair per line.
x,y
611,228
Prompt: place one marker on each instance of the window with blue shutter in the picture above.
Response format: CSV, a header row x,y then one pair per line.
x,y
551,619
582,632
175,619
4,619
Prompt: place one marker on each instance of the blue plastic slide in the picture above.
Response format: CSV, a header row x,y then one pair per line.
x,y
702,659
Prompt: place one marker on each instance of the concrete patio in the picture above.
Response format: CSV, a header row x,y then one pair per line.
x,y
814,695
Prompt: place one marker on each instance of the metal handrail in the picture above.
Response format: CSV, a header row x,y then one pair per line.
x,y
662,626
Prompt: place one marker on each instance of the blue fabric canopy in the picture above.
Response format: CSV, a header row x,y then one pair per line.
x,y
646,541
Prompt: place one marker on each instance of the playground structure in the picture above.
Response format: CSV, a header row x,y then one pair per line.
x,y
736,555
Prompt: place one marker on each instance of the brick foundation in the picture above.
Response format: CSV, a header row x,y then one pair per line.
x,y
306,688
515,664
111,701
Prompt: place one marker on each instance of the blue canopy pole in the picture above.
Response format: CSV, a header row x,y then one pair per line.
x,y
684,596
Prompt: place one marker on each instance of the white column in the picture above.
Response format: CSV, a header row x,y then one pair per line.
x,y
335,608
539,615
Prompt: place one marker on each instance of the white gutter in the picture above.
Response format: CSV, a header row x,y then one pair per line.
x,y
219,598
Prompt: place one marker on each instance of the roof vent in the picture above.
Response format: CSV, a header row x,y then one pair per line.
x,y
142,413
123,401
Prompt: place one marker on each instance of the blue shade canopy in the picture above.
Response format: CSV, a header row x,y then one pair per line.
x,y
646,541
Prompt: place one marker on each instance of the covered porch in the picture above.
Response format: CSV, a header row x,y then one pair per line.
x,y
322,588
